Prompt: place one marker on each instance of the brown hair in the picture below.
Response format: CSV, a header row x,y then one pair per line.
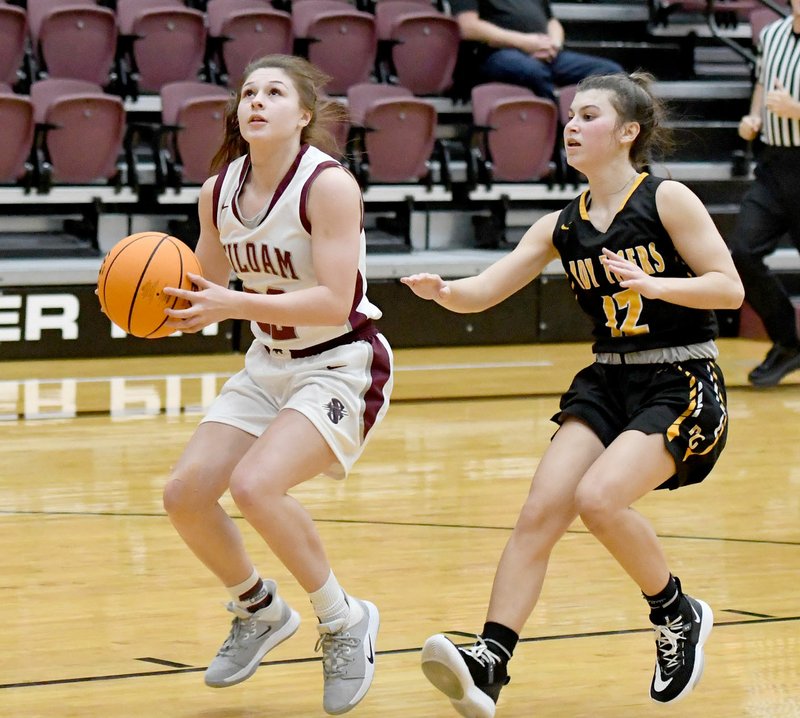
x,y
308,81
633,99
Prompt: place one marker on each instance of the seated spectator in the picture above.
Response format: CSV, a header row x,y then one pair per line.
x,y
521,43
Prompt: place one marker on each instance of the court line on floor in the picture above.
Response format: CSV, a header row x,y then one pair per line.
x,y
389,652
11,409
227,374
409,524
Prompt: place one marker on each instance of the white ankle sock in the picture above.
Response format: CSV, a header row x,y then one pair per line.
x,y
356,612
244,587
240,589
331,604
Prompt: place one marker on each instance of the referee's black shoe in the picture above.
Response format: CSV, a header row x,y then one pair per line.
x,y
679,651
780,360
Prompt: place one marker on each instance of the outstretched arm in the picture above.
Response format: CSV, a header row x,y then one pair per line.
x,y
498,281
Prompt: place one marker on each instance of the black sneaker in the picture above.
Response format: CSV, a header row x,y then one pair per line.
x,y
470,677
679,651
780,360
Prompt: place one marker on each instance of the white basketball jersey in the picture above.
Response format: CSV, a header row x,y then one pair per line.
x,y
271,253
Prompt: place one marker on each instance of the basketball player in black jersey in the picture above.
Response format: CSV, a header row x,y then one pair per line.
x,y
648,265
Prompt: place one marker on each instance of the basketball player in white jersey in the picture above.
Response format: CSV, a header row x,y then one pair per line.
x,y
288,219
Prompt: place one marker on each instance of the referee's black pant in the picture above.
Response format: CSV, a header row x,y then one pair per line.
x,y
770,210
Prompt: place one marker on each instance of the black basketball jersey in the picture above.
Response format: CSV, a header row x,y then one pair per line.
x,y
625,321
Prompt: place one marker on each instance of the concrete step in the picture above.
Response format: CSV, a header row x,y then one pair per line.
x,y
667,61
705,141
45,245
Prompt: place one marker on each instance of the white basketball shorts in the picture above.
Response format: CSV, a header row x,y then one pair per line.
x,y
343,391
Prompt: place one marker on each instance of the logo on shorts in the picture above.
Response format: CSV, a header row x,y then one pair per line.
x,y
336,410
696,437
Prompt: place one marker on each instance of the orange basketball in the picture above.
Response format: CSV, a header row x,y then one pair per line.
x,y
132,280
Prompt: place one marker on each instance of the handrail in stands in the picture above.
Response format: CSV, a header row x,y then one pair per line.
x,y
746,55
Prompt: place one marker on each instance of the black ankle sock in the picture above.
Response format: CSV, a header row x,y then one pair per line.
x,y
666,604
255,594
503,636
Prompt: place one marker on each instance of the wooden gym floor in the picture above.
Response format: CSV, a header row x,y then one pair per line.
x,y
106,613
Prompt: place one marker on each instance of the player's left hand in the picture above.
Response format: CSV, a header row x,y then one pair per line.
x,y
208,303
630,275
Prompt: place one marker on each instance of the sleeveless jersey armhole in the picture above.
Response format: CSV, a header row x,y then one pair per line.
x,y
305,221
216,195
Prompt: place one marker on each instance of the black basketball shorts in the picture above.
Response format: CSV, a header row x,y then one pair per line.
x,y
684,401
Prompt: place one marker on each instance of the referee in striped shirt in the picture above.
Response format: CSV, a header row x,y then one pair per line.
x,y
771,206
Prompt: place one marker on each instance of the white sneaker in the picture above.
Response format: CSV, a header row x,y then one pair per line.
x,y
348,660
252,636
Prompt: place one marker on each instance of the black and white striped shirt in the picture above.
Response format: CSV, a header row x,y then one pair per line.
x,y
780,59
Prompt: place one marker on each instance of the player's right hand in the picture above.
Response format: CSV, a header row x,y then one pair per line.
x,y
427,286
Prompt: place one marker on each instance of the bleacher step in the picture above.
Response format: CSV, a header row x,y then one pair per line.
x,y
44,245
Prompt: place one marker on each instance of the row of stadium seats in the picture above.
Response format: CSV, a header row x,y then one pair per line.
x,y
140,45
391,136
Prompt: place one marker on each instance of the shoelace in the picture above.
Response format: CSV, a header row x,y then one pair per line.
x,y
669,644
481,653
337,652
240,628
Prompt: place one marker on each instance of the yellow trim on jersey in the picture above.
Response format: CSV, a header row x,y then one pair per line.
x,y
584,210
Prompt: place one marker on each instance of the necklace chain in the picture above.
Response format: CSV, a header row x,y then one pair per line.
x,y
626,184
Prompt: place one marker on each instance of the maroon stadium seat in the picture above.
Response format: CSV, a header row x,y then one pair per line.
x,y
167,39
419,45
16,119
194,114
73,38
516,132
340,40
84,130
244,30
12,49
397,130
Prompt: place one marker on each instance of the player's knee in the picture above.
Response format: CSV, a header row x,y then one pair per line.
x,y
183,496
531,516
594,506
541,524
175,497
248,489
